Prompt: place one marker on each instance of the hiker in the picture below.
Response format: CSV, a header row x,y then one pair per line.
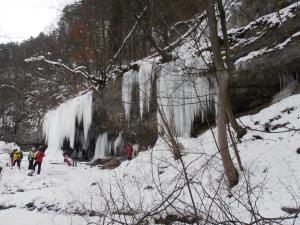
x,y
31,158
39,155
17,157
74,158
12,163
128,149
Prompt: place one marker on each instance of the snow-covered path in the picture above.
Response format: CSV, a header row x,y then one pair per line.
x,y
45,197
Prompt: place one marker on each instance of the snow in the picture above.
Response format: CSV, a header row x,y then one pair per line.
x,y
241,62
60,124
275,18
61,193
258,28
7,147
37,218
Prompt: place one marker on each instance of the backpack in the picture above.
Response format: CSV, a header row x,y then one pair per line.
x,y
17,156
30,155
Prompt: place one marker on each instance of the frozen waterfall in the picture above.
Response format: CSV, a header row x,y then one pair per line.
x,y
60,124
181,98
143,78
183,93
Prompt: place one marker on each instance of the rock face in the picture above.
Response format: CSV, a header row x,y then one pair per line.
x,y
267,56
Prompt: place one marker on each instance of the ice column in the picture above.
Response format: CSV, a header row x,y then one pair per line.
x,y
181,98
143,79
119,142
60,124
102,145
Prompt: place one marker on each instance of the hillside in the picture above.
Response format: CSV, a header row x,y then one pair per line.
x,y
152,186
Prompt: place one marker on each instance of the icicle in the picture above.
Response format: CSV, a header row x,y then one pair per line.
x,y
60,124
135,148
181,98
119,142
144,80
287,78
128,80
102,146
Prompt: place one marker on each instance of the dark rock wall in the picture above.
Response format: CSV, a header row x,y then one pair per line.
x,y
257,80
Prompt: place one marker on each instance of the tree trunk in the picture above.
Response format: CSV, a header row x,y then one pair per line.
x,y
240,131
236,152
229,168
222,74
237,128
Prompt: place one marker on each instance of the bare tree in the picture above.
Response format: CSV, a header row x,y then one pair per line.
x,y
222,75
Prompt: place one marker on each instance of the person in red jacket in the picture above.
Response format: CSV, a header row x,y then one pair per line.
x,y
39,155
128,149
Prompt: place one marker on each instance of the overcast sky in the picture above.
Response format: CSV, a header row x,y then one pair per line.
x,y
20,19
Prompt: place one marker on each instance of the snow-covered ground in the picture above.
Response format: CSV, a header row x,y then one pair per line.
x,y
67,195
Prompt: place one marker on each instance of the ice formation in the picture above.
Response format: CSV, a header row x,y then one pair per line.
x,y
119,142
127,84
135,148
143,78
181,95
288,84
60,124
286,78
102,146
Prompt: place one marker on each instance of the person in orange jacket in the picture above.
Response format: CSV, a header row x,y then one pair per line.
x,y
38,157
128,149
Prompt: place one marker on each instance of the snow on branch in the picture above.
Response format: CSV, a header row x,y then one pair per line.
x,y
81,70
11,86
98,83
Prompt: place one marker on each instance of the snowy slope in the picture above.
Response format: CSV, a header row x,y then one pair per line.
x,y
271,180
